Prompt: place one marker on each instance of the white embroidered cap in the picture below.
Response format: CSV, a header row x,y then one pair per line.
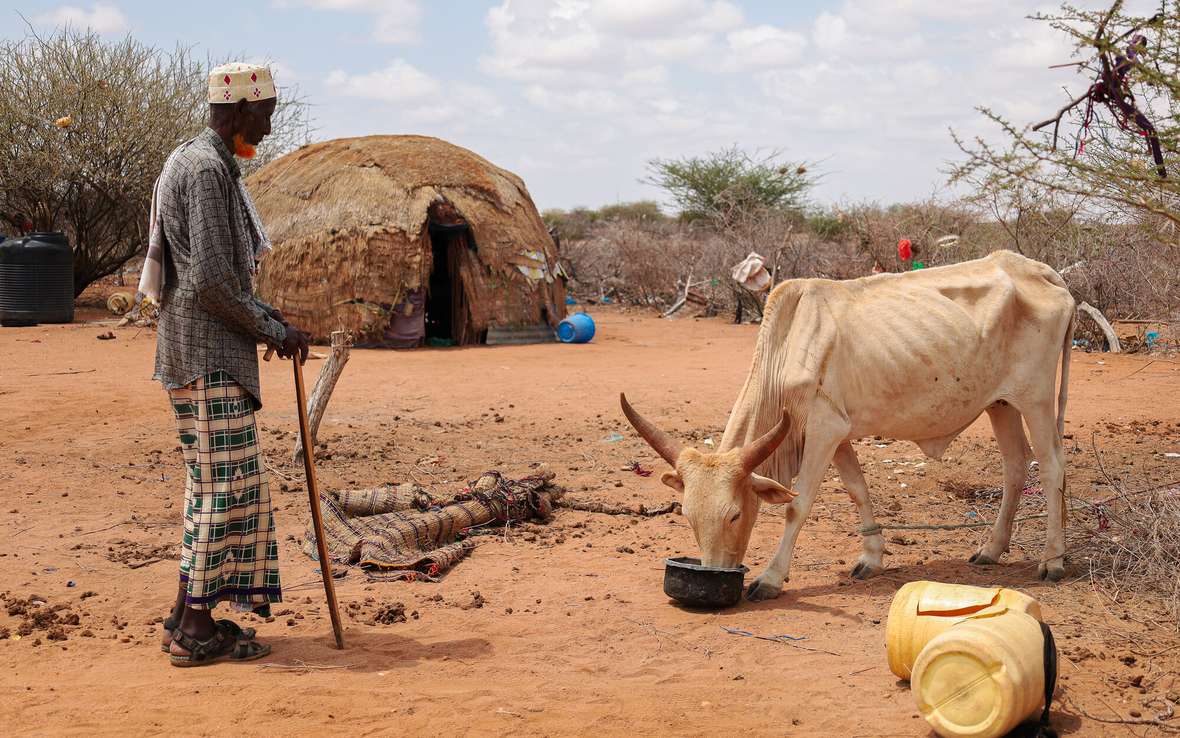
x,y
229,83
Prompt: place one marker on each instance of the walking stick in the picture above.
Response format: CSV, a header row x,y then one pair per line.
x,y
313,494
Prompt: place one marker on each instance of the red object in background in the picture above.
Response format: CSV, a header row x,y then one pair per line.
x,y
904,250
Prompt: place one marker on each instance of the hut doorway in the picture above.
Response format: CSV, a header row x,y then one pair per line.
x,y
443,286
448,319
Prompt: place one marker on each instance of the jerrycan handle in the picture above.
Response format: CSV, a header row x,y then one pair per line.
x,y
1042,728
954,604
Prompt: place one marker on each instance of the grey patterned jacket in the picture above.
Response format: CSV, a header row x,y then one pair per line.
x,y
209,317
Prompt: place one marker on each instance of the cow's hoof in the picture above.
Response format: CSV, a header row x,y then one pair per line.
x,y
982,559
865,570
760,590
1051,572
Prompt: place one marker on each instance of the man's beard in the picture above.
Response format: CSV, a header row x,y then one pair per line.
x,y
243,150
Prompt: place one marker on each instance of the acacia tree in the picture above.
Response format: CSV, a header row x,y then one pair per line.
x,y
1098,146
730,183
85,126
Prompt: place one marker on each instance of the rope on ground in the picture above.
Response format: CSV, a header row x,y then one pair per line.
x,y
609,509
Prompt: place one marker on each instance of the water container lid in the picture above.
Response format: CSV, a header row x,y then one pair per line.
x,y
565,331
48,237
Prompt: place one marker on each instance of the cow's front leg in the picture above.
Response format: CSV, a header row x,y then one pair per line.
x,y
816,456
854,481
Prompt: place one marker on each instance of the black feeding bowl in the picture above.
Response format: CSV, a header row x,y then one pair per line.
x,y
691,584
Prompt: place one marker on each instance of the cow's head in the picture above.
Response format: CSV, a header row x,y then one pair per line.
x,y
721,491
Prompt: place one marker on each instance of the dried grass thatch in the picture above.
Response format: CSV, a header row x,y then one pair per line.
x,y
350,218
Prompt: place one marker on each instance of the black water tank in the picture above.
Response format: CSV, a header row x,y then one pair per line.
x,y
36,280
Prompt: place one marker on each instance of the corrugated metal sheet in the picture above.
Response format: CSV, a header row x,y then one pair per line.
x,y
520,334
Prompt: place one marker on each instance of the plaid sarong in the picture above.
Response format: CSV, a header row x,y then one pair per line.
x,y
229,549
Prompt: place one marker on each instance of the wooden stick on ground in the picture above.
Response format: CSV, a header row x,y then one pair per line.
x,y
313,494
324,384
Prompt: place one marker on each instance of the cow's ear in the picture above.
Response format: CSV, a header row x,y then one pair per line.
x,y
673,480
770,491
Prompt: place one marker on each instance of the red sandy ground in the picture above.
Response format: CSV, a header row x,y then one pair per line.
x,y
574,634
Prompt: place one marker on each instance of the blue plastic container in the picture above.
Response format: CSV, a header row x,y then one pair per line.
x,y
577,328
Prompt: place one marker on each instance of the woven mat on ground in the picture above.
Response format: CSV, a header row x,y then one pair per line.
x,y
401,532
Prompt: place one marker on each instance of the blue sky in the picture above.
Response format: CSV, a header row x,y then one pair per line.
x,y
577,95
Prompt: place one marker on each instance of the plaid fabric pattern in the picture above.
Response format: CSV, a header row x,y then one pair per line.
x,y
229,550
209,317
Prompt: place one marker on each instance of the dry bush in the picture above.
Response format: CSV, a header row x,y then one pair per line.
x,y
1132,547
85,126
1123,269
1128,544
633,261
876,231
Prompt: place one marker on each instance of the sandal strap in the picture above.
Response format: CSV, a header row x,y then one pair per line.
x,y
246,648
244,638
229,637
200,650
235,631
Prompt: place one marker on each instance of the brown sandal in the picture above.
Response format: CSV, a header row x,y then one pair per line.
x,y
230,642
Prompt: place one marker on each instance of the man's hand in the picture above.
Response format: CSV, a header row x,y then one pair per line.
x,y
278,315
296,341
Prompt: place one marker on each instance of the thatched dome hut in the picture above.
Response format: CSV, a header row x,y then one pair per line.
x,y
404,240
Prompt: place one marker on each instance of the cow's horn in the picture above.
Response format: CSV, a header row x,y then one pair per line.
x,y
664,445
760,450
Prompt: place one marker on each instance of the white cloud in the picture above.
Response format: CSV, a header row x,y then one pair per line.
x,y
830,31
1033,46
679,48
869,87
764,46
533,37
417,95
398,82
583,101
393,21
654,75
101,18
469,104
547,40
659,17
721,17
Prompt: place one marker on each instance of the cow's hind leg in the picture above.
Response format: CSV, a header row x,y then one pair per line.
x,y
1046,443
854,481
1006,424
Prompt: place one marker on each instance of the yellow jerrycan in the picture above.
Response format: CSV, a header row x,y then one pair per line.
x,y
986,675
923,610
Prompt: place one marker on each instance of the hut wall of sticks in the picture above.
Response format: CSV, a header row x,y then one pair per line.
x,y
403,239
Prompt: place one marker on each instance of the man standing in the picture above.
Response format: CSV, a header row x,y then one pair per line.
x,y
205,243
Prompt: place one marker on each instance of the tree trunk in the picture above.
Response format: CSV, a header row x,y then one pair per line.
x,y
324,384
1103,324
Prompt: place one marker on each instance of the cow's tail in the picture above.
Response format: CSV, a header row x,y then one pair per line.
x,y
1063,393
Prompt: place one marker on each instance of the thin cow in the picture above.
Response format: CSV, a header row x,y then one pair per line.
x,y
917,356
